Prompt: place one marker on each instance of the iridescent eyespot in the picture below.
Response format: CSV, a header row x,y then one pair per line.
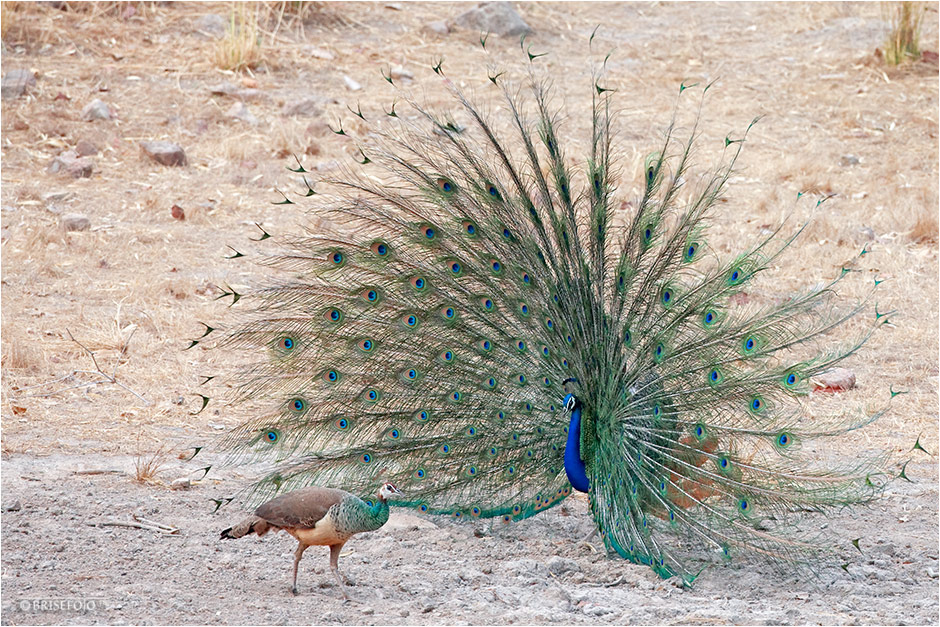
x,y
365,458
648,234
419,283
366,345
715,376
496,266
444,449
491,383
470,432
456,396
699,432
333,315
449,313
484,345
342,424
429,232
455,268
524,309
423,507
627,337
487,304
272,436
410,321
493,451
493,192
470,228
475,511
371,295
756,404
791,379
744,506
422,416
546,352
297,405
336,257
446,186
371,396
521,346
472,471
783,440
447,356
520,379
724,463
549,324
690,251
710,318
666,297
526,278
419,474
410,374
547,382
500,415
331,376
507,234
286,343
379,248
659,352
736,276
393,434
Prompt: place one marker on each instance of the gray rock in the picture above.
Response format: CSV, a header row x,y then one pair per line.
x,y
96,110
318,53
74,222
438,27
498,18
351,84
164,152
398,72
525,567
15,506
240,112
308,107
558,565
234,91
15,83
597,610
849,160
85,148
70,163
212,25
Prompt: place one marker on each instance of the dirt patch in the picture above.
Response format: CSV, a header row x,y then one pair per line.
x,y
129,286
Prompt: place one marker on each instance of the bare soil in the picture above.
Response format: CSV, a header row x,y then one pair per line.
x,y
131,288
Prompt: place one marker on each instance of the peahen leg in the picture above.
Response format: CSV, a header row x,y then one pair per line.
x,y
297,555
334,566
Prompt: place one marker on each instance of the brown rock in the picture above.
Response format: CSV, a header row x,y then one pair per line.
x,y
307,107
74,222
85,148
164,152
96,110
70,163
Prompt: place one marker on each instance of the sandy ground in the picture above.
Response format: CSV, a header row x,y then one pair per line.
x,y
132,286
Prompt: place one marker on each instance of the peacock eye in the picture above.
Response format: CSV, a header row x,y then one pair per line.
x,y
446,185
379,248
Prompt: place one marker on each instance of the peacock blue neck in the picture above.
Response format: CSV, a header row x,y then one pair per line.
x,y
574,465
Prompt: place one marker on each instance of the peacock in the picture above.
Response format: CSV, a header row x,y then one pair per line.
x,y
490,325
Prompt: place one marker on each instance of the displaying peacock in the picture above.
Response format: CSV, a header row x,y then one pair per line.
x,y
480,330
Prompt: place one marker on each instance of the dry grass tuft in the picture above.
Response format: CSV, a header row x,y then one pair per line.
x,y
241,48
146,469
903,42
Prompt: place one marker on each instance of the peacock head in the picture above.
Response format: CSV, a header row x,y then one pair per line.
x,y
388,490
572,387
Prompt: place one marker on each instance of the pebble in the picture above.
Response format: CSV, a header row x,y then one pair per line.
x,y
351,84
849,160
318,53
15,83
74,222
498,18
85,148
437,26
308,107
558,565
96,110
70,163
212,24
164,152
240,112
15,506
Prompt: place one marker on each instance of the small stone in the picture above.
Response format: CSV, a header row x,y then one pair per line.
x,y
164,152
834,380
368,611
70,163
74,222
932,572
318,53
15,506
498,18
351,84
398,72
240,112
177,212
96,110
597,610
404,613
558,565
438,27
85,148
15,83
308,107
211,25
849,160
234,91
183,483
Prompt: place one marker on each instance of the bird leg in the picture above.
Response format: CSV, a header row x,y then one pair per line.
x,y
297,555
334,566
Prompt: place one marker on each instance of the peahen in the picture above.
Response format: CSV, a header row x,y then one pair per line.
x,y
480,330
317,517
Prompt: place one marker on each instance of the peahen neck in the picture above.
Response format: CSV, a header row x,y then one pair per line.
x,y
378,513
574,465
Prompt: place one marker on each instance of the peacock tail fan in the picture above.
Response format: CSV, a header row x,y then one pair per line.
x,y
426,338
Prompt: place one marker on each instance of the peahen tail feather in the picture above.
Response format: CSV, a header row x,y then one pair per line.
x,y
473,272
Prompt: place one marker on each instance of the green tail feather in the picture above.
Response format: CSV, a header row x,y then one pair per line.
x,y
426,345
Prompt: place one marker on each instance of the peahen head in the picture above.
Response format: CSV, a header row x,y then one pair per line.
x,y
387,491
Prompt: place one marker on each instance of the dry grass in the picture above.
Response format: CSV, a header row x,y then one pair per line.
x,y
241,48
147,467
906,19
